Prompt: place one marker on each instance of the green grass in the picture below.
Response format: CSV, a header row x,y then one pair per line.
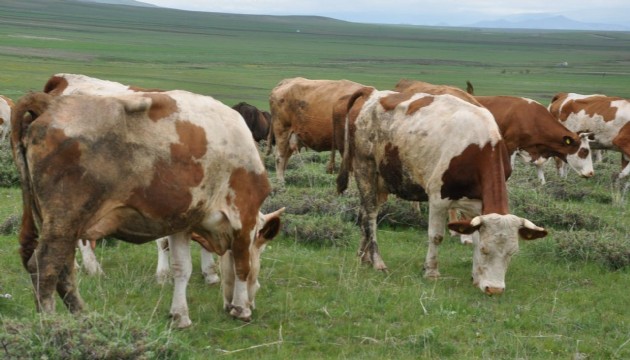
x,y
563,300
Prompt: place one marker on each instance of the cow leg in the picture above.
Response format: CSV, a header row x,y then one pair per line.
x,y
330,168
241,306
226,262
367,183
67,287
437,216
283,152
54,255
541,173
208,268
182,268
90,263
163,268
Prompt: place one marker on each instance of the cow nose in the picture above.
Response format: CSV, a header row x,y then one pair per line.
x,y
493,290
588,175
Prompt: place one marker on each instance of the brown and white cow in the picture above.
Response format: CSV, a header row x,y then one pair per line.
x,y
444,150
257,121
139,167
6,105
529,130
607,118
72,84
301,112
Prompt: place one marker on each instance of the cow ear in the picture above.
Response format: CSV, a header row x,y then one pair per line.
x,y
271,228
466,227
529,231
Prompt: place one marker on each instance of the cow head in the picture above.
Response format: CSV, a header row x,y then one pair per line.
x,y
267,228
494,244
581,161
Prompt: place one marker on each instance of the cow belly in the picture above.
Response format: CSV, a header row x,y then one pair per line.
x,y
132,226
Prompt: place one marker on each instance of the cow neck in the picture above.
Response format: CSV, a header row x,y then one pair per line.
x,y
493,180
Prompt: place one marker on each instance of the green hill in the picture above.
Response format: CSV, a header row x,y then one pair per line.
x,y
241,57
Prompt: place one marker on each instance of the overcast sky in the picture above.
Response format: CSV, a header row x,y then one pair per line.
x,y
425,12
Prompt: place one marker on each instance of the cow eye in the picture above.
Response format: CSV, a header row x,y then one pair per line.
x,y
568,140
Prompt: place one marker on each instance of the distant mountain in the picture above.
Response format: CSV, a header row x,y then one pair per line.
x,y
120,2
545,21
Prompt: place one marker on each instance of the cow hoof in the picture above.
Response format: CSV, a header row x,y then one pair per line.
x,y
241,313
161,277
211,279
181,321
432,274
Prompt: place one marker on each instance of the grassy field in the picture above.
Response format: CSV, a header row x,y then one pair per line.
x,y
566,294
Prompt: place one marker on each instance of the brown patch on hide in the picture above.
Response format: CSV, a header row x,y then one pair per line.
x,y
168,196
419,104
162,106
479,173
397,179
598,106
390,102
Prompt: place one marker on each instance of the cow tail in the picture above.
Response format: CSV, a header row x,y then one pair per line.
x,y
25,112
271,138
346,166
469,88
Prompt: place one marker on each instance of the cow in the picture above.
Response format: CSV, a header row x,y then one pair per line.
x,y
257,121
607,118
301,113
69,84
6,105
440,149
140,167
529,130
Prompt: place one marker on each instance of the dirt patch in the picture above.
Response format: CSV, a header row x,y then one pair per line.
x,y
44,53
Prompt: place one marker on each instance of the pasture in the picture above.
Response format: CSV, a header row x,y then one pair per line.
x,y
566,294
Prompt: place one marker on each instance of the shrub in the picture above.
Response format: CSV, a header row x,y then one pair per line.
x,y
10,226
545,211
91,336
609,248
8,172
318,230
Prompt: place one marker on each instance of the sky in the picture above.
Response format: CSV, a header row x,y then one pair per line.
x,y
424,12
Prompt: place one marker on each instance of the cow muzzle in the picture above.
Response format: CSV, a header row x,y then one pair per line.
x,y
489,290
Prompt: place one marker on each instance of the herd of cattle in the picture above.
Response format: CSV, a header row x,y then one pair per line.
x,y
98,158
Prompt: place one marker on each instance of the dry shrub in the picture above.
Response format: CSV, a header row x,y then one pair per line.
x,y
91,336
544,211
10,225
318,230
8,171
609,248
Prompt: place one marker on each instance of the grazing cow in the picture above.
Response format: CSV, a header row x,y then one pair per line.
x,y
139,167
5,116
69,84
530,130
441,149
301,112
257,121
606,118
